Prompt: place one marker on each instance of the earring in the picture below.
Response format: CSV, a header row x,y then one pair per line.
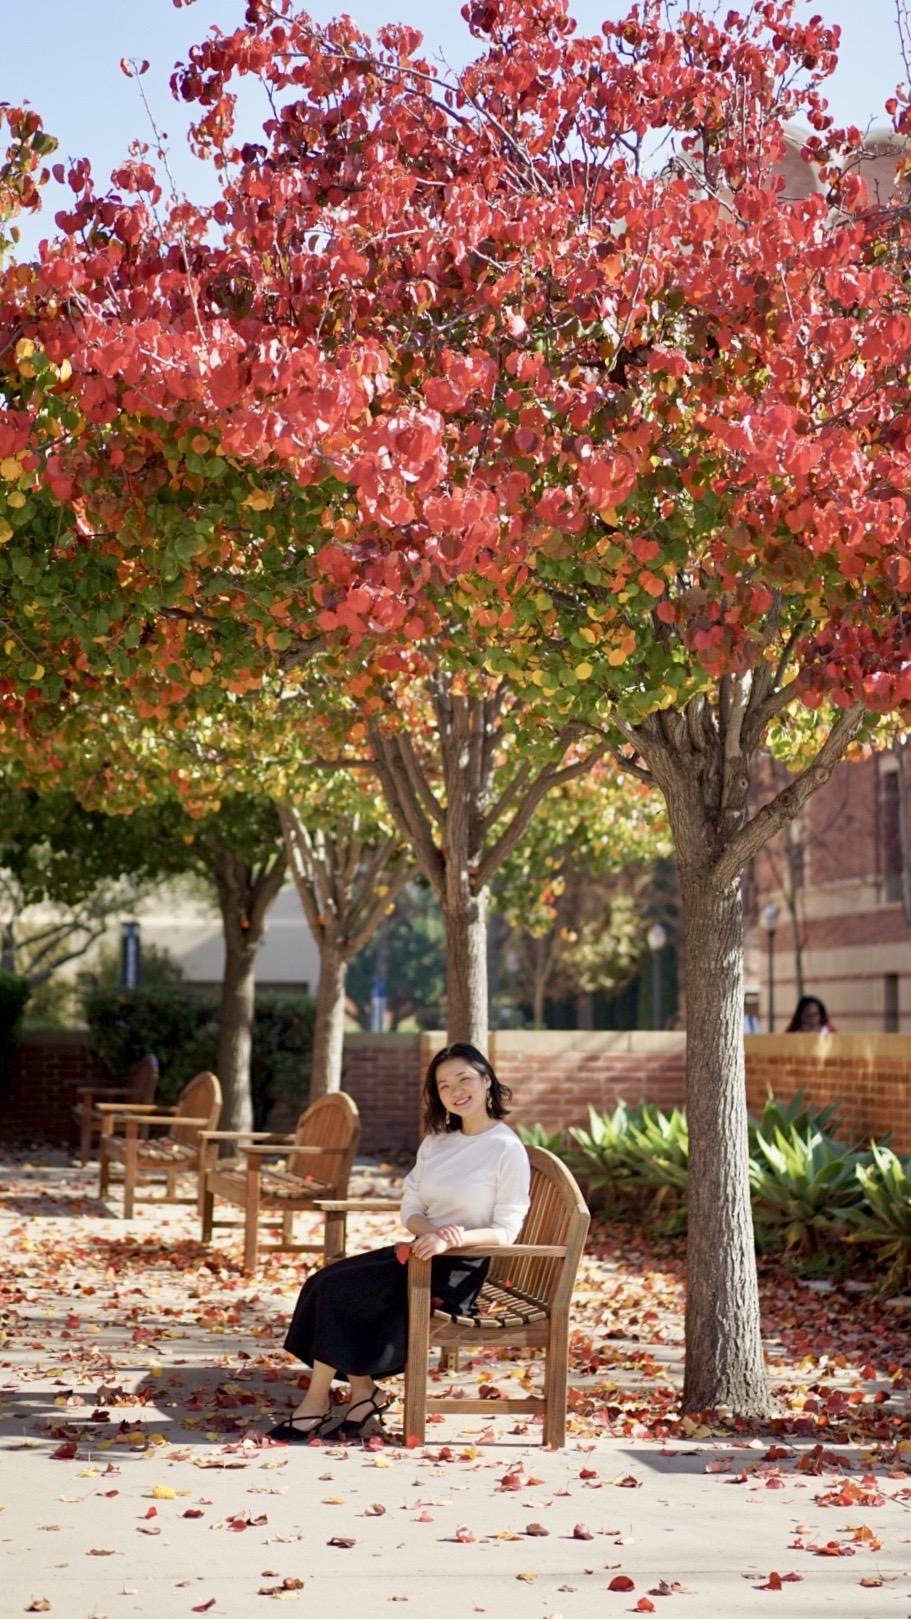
x,y
488,1098
448,1121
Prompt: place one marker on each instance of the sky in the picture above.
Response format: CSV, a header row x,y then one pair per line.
x,y
63,57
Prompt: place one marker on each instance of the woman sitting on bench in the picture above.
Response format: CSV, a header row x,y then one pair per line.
x,y
469,1185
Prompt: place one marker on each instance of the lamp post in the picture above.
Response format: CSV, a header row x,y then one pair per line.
x,y
657,939
130,956
769,919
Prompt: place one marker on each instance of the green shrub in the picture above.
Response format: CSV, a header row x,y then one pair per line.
x,y
178,1026
884,1217
181,1027
14,993
282,1052
803,1185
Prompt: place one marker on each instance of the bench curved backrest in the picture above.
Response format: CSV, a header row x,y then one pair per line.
x,y
557,1214
331,1121
143,1081
199,1099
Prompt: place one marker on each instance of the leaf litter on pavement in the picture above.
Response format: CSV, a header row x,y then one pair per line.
x,y
125,1350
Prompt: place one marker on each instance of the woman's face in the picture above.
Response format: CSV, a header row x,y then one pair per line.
x,y
811,1018
462,1090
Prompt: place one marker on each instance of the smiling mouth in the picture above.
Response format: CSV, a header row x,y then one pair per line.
x,y
461,1101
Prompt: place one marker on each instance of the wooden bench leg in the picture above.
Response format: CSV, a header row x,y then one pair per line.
x,y
555,1382
206,1210
288,1228
418,1350
104,1170
251,1217
130,1168
449,1359
334,1236
85,1132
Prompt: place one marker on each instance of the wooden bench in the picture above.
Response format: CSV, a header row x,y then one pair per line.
x,y
525,1300
319,1156
337,1210
138,1091
198,1108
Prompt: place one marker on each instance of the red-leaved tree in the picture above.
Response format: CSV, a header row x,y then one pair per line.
x,y
538,359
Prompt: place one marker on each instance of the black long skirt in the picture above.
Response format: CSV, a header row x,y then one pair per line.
x,y
353,1315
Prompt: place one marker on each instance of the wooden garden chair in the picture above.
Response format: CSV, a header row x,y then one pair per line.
x,y
174,1153
317,1164
524,1300
139,1090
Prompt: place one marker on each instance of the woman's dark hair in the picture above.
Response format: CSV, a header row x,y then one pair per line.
x,y
434,1111
797,1019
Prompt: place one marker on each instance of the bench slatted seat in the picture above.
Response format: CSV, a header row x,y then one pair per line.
x,y
318,1161
139,1090
198,1108
524,1300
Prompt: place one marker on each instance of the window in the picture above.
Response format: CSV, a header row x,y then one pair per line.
x,y
890,838
890,1003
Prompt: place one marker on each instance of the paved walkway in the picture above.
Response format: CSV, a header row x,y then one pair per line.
x,y
138,1375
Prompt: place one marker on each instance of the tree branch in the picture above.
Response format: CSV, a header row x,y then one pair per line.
x,y
549,777
790,801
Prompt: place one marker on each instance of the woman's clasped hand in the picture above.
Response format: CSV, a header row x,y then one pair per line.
x,y
432,1243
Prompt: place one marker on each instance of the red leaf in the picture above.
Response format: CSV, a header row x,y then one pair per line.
x,y
644,1605
203,1607
622,1582
65,1452
581,1533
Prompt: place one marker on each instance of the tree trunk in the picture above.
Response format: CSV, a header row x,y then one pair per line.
x,y
724,1361
540,971
235,1036
329,1028
466,971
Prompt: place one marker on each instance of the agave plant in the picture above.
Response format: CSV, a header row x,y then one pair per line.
x,y
535,1135
660,1150
884,1216
803,1185
796,1114
601,1155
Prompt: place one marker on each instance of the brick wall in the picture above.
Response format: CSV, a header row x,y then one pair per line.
x,y
555,1077
39,1079
868,1074
383,1074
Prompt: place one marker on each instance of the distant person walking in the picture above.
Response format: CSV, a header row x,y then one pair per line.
x,y
810,1017
751,1023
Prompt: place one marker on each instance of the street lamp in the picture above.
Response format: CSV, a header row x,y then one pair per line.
x,y
657,939
769,919
130,956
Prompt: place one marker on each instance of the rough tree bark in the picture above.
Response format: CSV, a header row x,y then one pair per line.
x,y
346,881
245,894
462,803
701,759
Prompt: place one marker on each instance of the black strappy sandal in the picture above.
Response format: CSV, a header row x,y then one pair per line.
x,y
287,1433
375,1413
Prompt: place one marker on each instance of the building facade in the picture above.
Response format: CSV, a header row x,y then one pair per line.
x,y
836,878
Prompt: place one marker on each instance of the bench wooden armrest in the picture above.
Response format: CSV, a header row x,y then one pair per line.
x,y
246,1135
144,1108
489,1250
358,1205
287,1148
102,1090
134,1116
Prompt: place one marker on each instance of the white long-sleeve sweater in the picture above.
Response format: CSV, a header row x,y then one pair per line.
x,y
473,1181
